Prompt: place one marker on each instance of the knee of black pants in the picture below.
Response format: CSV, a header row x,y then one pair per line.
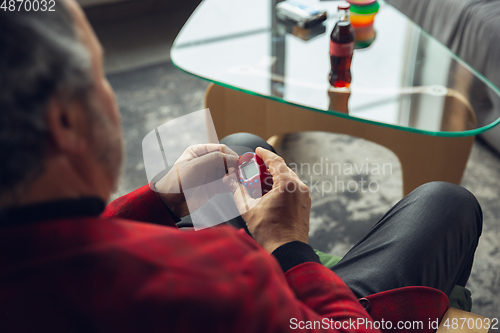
x,y
245,142
452,199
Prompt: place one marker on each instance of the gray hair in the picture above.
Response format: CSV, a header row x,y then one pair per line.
x,y
41,56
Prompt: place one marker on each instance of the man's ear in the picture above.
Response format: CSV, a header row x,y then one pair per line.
x,y
67,125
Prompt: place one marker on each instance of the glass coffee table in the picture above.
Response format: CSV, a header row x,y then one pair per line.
x,y
409,93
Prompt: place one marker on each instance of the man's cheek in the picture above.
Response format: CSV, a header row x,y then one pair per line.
x,y
108,100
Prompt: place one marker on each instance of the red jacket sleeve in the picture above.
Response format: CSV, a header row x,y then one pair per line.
x,y
323,292
319,302
217,280
142,205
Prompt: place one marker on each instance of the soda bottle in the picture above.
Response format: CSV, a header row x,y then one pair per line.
x,y
341,49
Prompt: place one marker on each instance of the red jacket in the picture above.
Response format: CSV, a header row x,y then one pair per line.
x,y
111,273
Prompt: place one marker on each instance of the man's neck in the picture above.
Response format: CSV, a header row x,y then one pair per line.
x,y
62,179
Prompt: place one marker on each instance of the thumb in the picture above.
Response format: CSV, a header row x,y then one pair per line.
x,y
244,202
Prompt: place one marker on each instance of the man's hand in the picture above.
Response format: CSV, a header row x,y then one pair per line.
x,y
280,216
200,169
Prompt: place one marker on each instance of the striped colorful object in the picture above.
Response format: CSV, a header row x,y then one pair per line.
x,y
362,20
365,9
363,14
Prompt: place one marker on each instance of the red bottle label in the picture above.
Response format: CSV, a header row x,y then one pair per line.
x,y
341,50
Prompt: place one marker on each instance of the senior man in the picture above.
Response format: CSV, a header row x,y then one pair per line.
x,y
68,264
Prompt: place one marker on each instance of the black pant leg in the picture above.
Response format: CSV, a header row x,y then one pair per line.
x,y
427,239
245,142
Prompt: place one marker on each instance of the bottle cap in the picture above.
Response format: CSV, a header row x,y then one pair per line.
x,y
344,6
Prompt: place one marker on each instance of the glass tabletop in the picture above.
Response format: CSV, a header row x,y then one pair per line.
x,y
404,78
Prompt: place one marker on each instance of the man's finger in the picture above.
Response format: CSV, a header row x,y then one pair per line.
x,y
231,162
217,160
203,149
229,183
244,202
276,164
227,150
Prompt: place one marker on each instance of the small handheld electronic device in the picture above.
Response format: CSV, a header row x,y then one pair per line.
x,y
253,173
300,12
